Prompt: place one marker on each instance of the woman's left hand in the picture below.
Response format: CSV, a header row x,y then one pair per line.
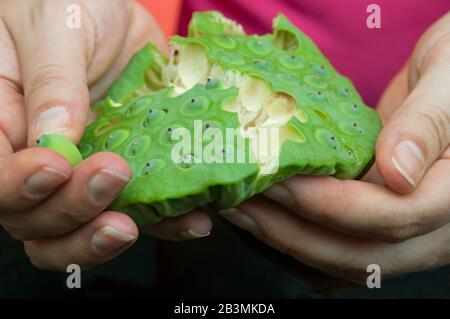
x,y
398,215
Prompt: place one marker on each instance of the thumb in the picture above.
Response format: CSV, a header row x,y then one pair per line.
x,y
418,133
53,63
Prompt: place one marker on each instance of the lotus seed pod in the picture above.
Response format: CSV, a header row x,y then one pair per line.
x,y
288,110
61,145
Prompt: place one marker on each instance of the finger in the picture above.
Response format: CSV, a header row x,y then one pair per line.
x,y
373,176
369,210
53,71
28,177
95,183
13,119
394,95
419,131
142,29
334,253
195,224
97,242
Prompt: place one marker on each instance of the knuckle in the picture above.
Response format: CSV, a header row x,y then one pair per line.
x,y
44,77
290,248
438,119
31,250
400,229
333,206
16,233
77,257
74,217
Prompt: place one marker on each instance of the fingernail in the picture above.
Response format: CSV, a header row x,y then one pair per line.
x,y
105,185
190,234
108,240
280,194
43,181
51,120
240,219
409,160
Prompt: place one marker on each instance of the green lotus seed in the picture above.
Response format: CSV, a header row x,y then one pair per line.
x,y
151,167
342,92
326,138
287,78
61,145
195,106
187,161
168,135
138,146
350,128
262,65
315,81
349,108
224,41
318,98
86,150
259,46
320,70
115,139
233,59
153,117
291,62
139,106
212,84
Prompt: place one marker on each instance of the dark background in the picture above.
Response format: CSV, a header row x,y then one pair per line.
x,y
228,264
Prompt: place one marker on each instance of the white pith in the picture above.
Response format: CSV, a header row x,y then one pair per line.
x,y
257,105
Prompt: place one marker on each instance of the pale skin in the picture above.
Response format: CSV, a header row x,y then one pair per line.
x,y
398,215
397,218
49,75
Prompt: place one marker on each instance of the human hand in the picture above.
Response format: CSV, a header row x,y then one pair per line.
x,y
399,218
48,76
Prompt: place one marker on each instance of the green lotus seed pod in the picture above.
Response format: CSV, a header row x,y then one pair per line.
x,y
288,110
61,145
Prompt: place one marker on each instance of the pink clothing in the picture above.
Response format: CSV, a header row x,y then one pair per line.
x,y
370,57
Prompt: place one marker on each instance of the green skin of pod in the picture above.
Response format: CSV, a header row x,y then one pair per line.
x,y
139,113
61,145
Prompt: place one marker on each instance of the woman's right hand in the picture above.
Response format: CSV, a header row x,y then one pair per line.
x,y
49,76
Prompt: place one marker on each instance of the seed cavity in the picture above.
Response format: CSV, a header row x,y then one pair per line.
x,y
291,133
286,40
323,115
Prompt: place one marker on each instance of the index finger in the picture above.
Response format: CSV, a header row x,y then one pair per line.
x,y
369,210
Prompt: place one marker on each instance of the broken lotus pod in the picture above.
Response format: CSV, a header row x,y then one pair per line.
x,y
219,79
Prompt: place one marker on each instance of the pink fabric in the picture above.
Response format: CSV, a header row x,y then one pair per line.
x,y
370,57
